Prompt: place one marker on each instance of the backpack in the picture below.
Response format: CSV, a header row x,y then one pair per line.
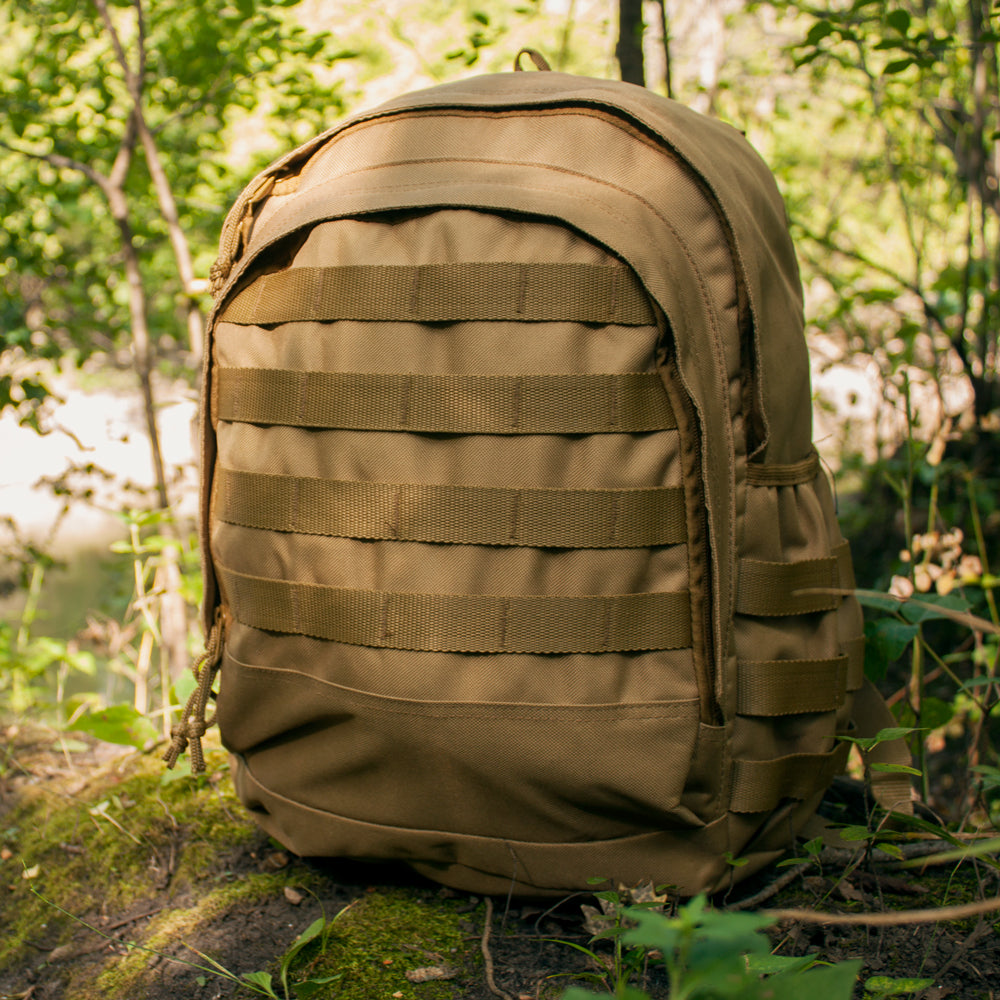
x,y
520,566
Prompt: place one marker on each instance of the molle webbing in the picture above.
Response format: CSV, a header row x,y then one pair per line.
x,y
432,293
631,402
773,589
793,687
793,474
468,515
760,785
462,623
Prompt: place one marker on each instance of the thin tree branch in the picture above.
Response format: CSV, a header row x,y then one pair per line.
x,y
930,916
158,174
63,163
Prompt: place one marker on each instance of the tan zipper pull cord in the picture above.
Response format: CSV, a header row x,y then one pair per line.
x,y
192,725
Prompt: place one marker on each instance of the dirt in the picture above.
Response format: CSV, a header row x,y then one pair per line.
x,y
177,869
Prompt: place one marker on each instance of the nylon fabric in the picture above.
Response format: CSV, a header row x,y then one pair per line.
x,y
790,687
581,519
769,589
447,404
460,622
795,474
508,445
760,785
434,293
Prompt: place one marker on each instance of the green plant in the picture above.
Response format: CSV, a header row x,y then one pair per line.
x,y
879,987
35,668
609,924
710,954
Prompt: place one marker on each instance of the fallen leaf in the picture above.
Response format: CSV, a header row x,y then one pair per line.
x,y
430,973
849,892
275,860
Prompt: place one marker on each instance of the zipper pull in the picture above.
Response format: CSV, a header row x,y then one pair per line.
x,y
193,724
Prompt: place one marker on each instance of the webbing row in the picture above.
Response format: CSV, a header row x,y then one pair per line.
x,y
775,589
792,687
434,293
579,519
791,474
759,785
462,623
630,402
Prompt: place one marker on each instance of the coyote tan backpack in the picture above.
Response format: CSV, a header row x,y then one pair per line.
x,y
520,565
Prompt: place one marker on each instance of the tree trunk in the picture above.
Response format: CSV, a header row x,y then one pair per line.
x,y
629,47
665,36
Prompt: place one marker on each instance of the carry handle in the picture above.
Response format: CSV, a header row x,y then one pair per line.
x,y
541,63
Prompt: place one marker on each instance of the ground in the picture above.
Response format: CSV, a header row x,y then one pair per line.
x,y
118,883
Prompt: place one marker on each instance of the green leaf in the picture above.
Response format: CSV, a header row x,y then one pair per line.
x,y
934,606
831,982
262,981
819,31
880,602
890,986
118,724
896,769
887,639
898,66
769,965
882,736
935,713
854,834
898,20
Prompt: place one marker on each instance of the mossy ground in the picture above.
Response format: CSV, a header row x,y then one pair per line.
x,y
118,883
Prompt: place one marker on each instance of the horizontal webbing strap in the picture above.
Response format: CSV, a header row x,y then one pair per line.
x,y
775,589
461,623
793,474
434,293
467,515
759,785
791,687
630,402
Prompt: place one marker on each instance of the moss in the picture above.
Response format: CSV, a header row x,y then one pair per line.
x,y
98,849
371,945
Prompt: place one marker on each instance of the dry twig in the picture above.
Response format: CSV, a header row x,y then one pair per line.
x,y
484,945
900,917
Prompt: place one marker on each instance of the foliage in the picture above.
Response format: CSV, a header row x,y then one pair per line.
x,y
710,954
910,229
67,109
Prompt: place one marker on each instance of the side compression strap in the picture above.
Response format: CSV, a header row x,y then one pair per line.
x,y
792,687
793,474
776,589
631,402
462,623
468,515
433,293
759,785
